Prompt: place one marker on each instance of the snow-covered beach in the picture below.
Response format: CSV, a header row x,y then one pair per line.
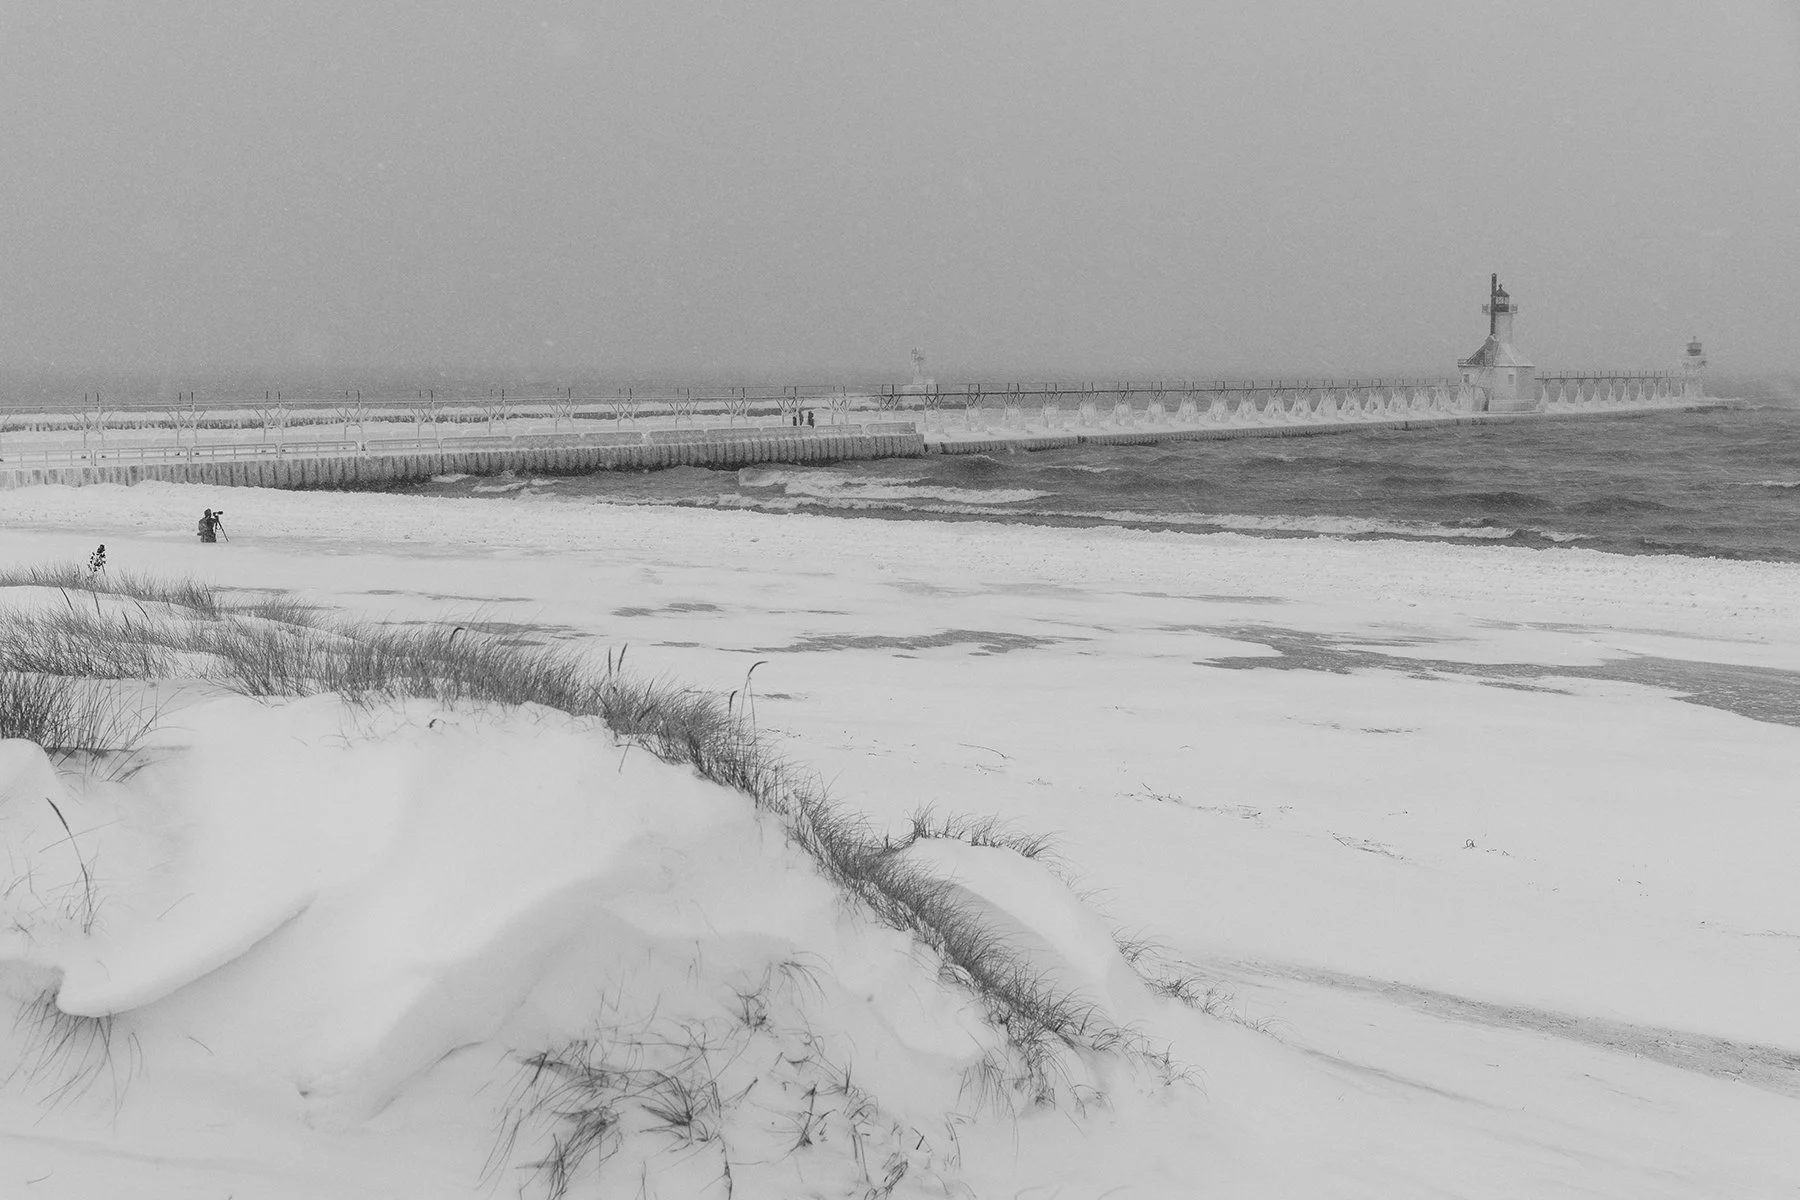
x,y
1498,910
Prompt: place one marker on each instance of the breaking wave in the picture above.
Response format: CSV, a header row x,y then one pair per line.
x,y
830,485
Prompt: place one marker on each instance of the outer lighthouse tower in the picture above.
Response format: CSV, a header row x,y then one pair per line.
x,y
1693,372
1506,377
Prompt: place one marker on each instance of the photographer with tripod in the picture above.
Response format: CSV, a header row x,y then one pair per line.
x,y
211,526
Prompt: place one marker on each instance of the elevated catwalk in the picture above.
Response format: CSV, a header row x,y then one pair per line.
x,y
970,430
352,465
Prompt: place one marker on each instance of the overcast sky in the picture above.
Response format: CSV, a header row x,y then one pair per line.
x,y
808,190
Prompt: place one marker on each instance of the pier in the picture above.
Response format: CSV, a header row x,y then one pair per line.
x,y
375,462
352,442
1126,415
1000,440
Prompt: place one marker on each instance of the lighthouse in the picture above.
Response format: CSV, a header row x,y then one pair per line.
x,y
1506,378
1693,372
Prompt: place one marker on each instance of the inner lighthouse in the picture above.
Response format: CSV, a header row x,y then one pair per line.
x,y
1506,378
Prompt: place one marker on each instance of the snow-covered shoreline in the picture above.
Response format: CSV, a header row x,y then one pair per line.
x,y
1578,846
1713,598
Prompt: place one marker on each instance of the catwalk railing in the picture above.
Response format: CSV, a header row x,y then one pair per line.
x,y
1614,387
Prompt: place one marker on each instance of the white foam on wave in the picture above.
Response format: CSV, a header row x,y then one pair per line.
x,y
1329,525
995,496
766,477
1316,524
1326,523
1321,525
830,487
845,504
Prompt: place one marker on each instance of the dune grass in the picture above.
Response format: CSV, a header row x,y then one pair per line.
x,y
75,577
70,716
746,1088
50,660
71,1052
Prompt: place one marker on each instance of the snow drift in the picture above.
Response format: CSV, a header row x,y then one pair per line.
x,y
333,895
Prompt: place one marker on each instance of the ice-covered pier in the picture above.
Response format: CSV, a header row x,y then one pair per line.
x,y
366,462
1124,414
357,443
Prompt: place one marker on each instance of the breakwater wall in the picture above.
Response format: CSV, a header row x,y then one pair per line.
x,y
372,464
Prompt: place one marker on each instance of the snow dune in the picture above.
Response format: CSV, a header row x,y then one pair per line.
x,y
332,894
1488,931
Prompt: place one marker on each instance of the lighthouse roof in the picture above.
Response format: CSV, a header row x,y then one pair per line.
x,y
1495,353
